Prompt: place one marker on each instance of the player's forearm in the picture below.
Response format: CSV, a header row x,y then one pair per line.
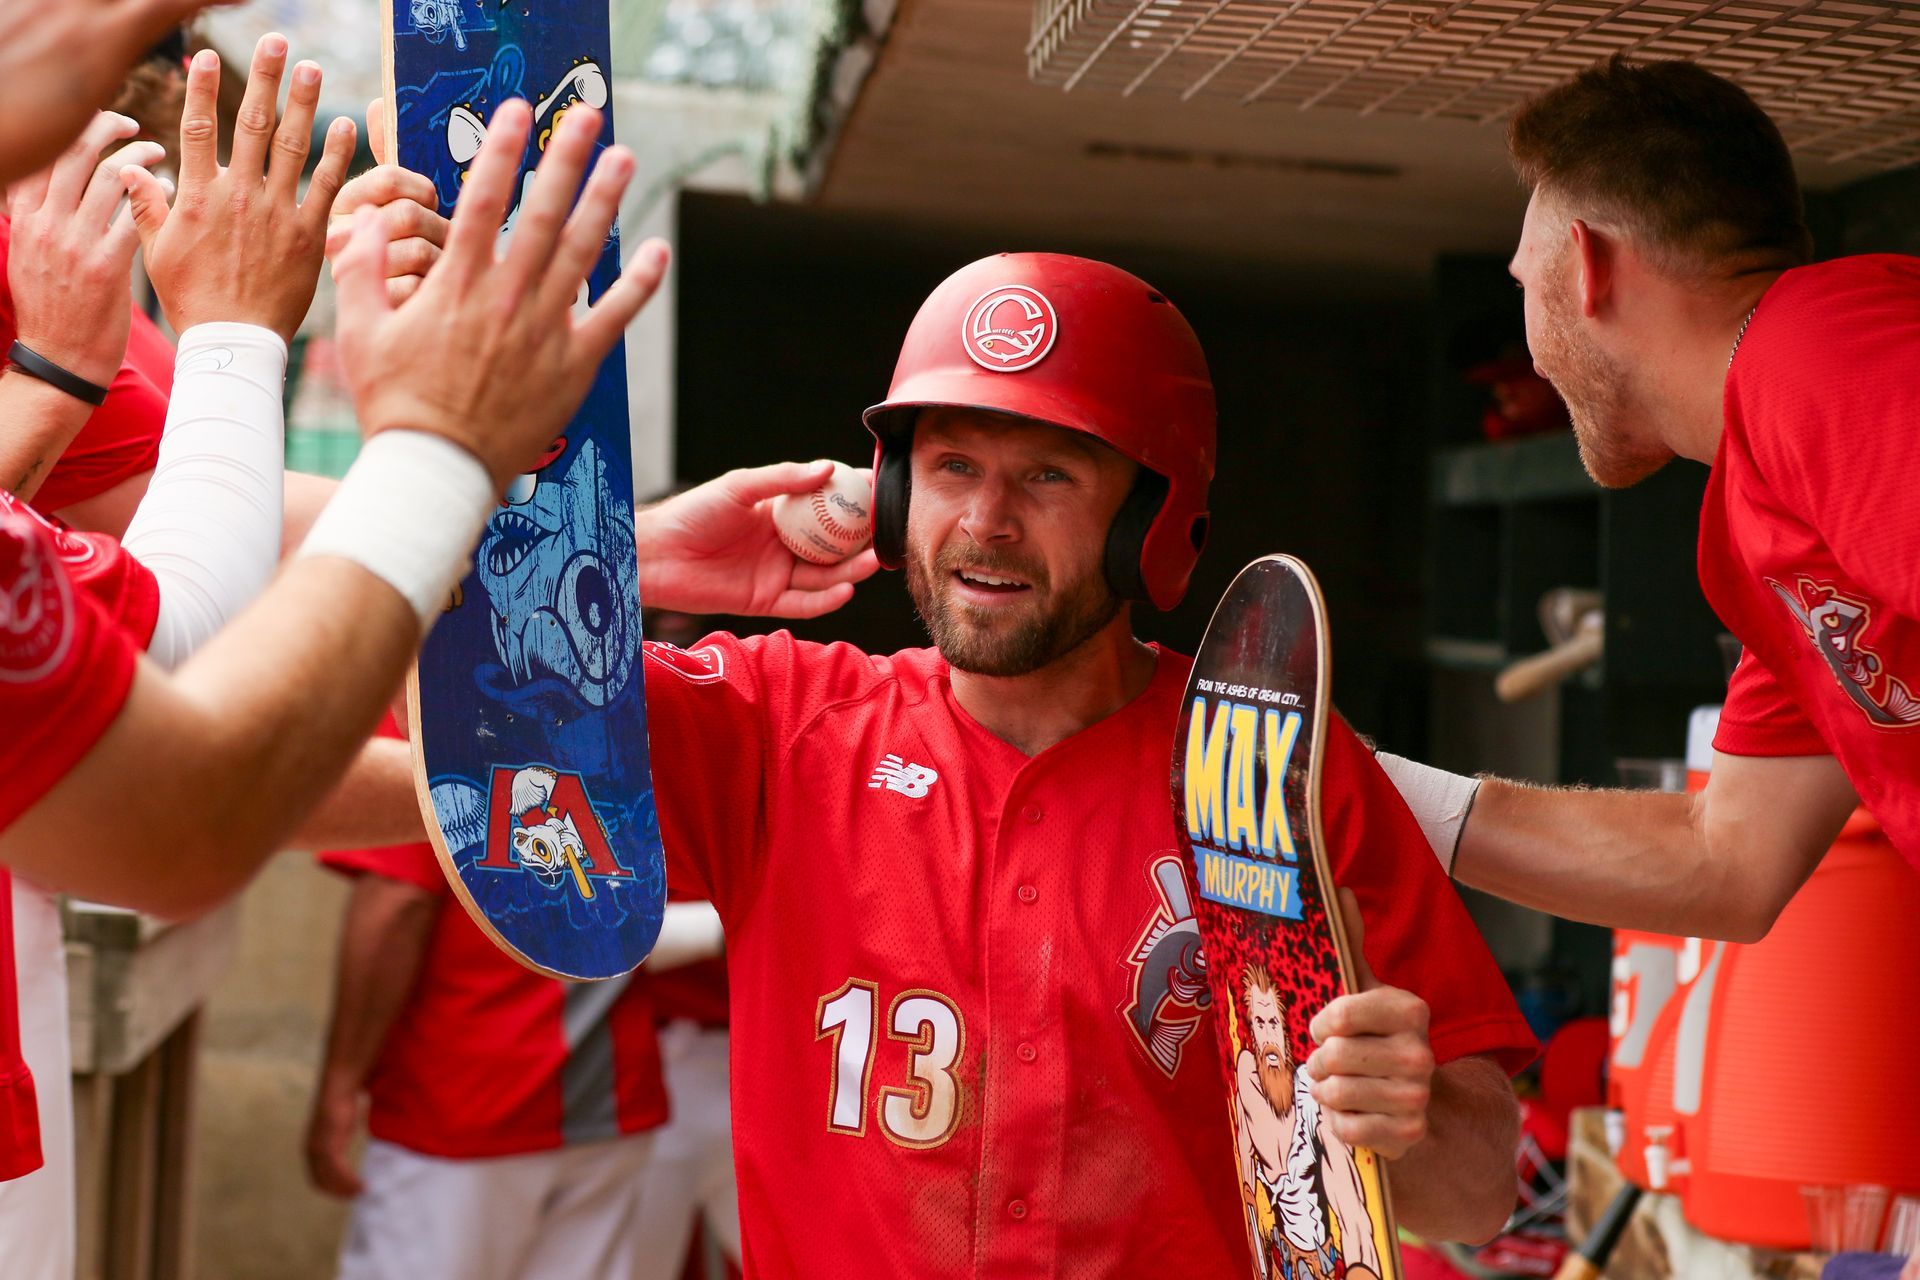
x,y
37,423
1457,1183
1632,859
325,624
374,803
383,938
201,777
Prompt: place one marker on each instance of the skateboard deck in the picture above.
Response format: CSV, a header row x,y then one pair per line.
x,y
528,701
1246,795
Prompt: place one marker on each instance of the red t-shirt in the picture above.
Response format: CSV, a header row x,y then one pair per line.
x,y
932,942
488,1058
74,612
122,438
1810,532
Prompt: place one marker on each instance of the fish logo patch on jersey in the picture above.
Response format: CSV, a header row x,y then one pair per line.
x,y
1009,329
903,776
1169,971
1837,625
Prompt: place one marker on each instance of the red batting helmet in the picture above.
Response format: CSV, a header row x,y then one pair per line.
x,y
1075,344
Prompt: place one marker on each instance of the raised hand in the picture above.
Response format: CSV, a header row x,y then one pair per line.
x,y
409,203
713,549
59,63
239,243
486,352
69,263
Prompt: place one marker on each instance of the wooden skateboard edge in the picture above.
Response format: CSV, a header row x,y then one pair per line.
x,y
1330,890
423,793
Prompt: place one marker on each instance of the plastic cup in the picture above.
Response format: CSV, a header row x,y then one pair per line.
x,y
1903,1228
1866,1210
1826,1217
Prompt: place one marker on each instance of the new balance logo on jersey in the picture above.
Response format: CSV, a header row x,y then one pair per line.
x,y
910,780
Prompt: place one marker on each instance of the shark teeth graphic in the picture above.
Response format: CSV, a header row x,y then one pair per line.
x,y
513,540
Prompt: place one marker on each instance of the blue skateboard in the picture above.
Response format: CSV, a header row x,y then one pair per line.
x,y
528,702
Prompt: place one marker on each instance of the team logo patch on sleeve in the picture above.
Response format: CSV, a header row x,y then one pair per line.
x,y
36,603
696,666
1837,625
1169,971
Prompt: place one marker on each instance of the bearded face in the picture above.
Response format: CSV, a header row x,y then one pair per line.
x,y
1006,536
1267,1020
995,640
1593,382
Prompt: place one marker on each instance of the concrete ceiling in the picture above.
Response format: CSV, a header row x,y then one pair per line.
x,y
949,133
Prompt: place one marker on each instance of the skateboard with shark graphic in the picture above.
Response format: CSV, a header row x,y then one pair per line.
x,y
1246,795
528,702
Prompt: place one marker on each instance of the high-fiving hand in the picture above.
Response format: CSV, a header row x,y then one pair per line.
x,y
70,255
486,352
239,243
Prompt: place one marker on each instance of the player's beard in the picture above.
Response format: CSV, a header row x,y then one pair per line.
x,y
1276,1082
1594,385
978,641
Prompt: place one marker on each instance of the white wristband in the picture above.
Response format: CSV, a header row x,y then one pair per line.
x,y
1440,801
410,510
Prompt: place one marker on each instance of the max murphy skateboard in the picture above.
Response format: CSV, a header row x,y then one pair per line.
x,y
1246,794
528,701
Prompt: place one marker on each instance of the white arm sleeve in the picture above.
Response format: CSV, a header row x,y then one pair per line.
x,y
1440,801
689,932
209,526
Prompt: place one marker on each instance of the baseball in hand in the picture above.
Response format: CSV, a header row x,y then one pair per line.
x,y
829,524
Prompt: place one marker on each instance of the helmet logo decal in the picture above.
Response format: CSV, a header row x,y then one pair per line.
x,y
1009,329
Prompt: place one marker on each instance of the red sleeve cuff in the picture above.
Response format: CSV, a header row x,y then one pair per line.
x,y
19,1127
413,864
1774,737
1507,1040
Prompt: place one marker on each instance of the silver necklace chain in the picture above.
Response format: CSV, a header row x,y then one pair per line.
x,y
1743,333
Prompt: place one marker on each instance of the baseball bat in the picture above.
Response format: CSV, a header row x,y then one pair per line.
x,y
1590,1259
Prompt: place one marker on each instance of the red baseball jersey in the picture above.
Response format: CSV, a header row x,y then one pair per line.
x,y
122,437
74,612
1810,532
944,1020
488,1058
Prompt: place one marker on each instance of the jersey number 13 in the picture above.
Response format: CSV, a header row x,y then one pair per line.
x,y
922,1113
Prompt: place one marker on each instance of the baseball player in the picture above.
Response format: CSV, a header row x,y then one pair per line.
x,y
510,1116
937,868
1668,297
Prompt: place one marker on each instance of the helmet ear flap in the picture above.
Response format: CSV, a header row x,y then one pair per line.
x,y
1127,535
892,485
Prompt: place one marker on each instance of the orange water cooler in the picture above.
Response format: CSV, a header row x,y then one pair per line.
x,y
1788,1062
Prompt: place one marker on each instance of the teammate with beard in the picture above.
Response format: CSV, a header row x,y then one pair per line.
x,y
1667,297
1297,1184
937,868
